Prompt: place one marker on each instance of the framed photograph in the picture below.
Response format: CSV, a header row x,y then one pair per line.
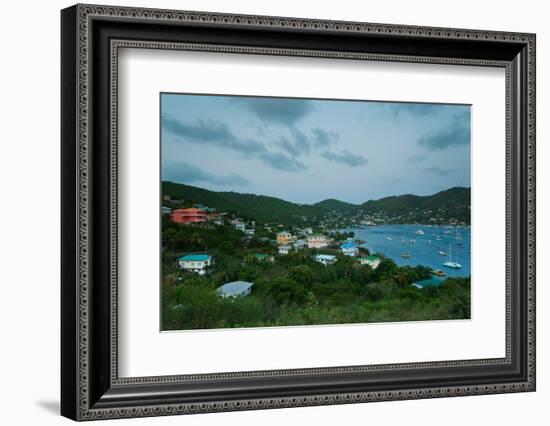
x,y
263,212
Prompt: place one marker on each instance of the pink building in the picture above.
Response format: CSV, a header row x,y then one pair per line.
x,y
190,215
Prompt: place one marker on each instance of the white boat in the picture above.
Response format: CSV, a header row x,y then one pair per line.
x,y
389,238
450,263
419,232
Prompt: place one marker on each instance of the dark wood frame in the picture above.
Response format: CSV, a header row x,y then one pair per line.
x,y
90,386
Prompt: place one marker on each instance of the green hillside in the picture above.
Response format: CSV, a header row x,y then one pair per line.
x,y
332,204
457,198
258,207
451,203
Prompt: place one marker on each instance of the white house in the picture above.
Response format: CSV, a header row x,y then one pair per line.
x,y
166,210
349,249
317,241
195,263
235,289
299,244
325,259
284,249
239,225
249,231
372,261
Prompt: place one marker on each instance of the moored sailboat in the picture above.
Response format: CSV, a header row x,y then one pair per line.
x,y
450,263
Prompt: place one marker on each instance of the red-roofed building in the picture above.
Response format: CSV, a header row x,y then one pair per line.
x,y
190,215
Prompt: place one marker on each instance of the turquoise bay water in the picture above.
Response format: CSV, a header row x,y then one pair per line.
x,y
395,240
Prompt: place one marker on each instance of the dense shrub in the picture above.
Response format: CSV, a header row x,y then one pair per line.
x,y
293,290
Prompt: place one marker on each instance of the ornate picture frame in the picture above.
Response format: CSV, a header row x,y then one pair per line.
x,y
91,38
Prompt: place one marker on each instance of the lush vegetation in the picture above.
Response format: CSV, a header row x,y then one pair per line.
x,y
452,204
293,289
248,206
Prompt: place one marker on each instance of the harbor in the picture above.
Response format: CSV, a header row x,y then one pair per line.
x,y
431,246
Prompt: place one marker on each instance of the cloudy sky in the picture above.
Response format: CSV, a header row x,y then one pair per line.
x,y
306,150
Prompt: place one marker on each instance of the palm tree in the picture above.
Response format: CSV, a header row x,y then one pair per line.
x,y
401,278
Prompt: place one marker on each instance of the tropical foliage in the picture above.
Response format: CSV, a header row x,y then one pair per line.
x,y
293,289
451,203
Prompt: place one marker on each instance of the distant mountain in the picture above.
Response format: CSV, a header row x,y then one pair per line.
x,y
332,204
452,203
455,198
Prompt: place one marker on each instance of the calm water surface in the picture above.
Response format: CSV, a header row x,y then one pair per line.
x,y
395,240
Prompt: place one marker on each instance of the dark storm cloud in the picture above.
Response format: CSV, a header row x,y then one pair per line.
x,y
456,134
183,172
280,161
212,132
281,111
345,157
437,171
217,133
324,138
300,143
297,145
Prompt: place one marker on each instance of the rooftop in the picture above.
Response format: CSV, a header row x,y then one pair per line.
x,y
195,257
234,288
349,245
190,210
325,256
369,258
261,255
435,281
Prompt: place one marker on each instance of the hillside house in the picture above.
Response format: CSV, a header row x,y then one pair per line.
x,y
213,216
262,257
430,282
189,215
235,289
325,259
317,241
299,244
372,261
205,208
195,263
349,249
239,225
284,238
284,249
